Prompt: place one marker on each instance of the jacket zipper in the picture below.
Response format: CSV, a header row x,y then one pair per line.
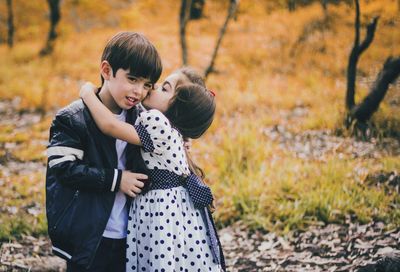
x,y
65,210
99,241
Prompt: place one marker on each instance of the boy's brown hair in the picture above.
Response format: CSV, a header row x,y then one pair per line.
x,y
133,51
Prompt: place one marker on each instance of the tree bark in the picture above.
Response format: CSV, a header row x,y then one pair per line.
x,y
10,24
357,50
231,12
183,20
390,71
55,16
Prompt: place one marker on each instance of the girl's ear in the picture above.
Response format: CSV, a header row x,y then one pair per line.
x,y
105,70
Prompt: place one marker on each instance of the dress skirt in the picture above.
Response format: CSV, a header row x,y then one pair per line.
x,y
167,233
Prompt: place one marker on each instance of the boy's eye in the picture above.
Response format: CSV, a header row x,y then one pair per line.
x,y
133,79
148,86
163,89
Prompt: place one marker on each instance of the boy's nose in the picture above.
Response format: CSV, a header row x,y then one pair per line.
x,y
139,89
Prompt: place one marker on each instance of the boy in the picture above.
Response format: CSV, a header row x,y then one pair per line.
x,y
86,186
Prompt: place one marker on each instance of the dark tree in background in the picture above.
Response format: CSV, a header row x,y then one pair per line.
x,y
183,20
196,9
359,114
55,16
184,17
291,5
10,24
324,4
231,13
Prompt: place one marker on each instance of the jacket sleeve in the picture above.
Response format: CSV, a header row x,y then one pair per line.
x,y
65,159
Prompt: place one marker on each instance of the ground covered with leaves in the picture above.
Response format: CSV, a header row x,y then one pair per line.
x,y
332,247
321,246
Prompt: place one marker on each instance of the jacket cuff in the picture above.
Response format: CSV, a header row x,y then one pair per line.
x,y
114,176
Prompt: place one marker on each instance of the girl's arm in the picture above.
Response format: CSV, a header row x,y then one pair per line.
x,y
105,119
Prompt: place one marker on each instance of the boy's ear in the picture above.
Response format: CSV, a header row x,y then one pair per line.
x,y
105,70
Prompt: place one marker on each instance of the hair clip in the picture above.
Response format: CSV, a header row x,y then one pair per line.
x,y
212,92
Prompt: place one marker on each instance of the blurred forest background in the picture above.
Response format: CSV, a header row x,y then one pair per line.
x,y
284,152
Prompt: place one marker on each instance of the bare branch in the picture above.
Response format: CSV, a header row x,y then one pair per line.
x,y
370,35
55,16
355,54
10,23
231,12
353,59
184,16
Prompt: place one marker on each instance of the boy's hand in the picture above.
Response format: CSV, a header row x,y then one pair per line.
x,y
131,183
87,88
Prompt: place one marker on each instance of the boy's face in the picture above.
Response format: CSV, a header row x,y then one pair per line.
x,y
160,98
127,90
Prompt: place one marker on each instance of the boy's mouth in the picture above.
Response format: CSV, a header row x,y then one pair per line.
x,y
132,99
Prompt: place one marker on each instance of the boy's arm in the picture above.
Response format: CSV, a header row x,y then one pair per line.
x,y
65,161
105,119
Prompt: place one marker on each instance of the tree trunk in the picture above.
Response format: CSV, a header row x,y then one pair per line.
x,y
390,71
359,115
55,16
196,9
231,12
291,5
355,54
183,20
324,4
10,23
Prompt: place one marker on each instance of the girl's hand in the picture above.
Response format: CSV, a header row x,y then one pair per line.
x,y
87,89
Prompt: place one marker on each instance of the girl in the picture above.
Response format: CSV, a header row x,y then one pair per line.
x,y
170,227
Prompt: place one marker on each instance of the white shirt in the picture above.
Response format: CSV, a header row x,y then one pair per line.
x,y
117,223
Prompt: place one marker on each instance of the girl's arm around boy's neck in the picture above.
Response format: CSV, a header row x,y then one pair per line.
x,y
105,119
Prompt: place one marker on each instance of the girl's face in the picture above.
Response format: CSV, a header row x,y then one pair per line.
x,y
160,98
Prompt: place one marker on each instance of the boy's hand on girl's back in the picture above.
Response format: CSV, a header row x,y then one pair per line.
x,y
87,88
132,183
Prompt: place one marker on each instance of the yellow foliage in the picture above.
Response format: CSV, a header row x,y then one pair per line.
x,y
271,62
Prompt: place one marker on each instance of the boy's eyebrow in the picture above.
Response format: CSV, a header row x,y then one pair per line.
x,y
132,75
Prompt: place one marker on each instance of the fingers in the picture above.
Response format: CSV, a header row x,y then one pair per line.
x,y
136,189
88,86
140,176
132,183
131,194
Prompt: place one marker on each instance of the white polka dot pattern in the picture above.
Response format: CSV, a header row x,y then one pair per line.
x,y
169,151
167,233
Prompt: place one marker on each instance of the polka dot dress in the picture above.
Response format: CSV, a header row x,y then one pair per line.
x,y
165,231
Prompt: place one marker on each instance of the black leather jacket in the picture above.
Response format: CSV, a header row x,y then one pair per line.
x,y
81,182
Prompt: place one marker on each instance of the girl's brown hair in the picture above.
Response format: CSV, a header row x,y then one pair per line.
x,y
192,109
